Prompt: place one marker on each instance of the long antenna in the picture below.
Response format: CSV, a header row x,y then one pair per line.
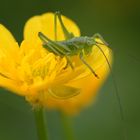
x,y
116,89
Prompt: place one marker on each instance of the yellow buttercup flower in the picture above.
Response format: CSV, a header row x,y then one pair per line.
x,y
42,77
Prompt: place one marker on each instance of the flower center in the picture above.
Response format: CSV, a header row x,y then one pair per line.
x,y
38,66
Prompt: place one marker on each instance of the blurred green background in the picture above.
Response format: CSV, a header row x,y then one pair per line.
x,y
119,23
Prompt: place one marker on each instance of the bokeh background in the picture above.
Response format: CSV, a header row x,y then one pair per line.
x,y
118,21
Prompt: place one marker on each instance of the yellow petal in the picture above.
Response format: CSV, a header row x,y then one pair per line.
x,y
6,38
45,23
8,44
13,86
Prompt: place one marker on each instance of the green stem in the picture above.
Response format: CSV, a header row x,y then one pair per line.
x,y
41,123
67,128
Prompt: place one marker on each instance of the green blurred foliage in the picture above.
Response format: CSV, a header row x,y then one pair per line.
x,y
118,22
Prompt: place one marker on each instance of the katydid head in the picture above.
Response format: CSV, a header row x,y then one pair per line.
x,y
98,36
89,45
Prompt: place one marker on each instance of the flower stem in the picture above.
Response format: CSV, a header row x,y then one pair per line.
x,y
41,123
67,128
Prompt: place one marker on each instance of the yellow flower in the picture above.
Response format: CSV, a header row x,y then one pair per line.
x,y
44,78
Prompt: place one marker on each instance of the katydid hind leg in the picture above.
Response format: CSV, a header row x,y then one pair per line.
x,y
59,46
52,49
50,45
97,35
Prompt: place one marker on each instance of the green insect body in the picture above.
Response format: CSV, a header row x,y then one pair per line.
x,y
74,46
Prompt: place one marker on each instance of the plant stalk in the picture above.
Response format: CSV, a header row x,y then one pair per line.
x,y
40,120
67,128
